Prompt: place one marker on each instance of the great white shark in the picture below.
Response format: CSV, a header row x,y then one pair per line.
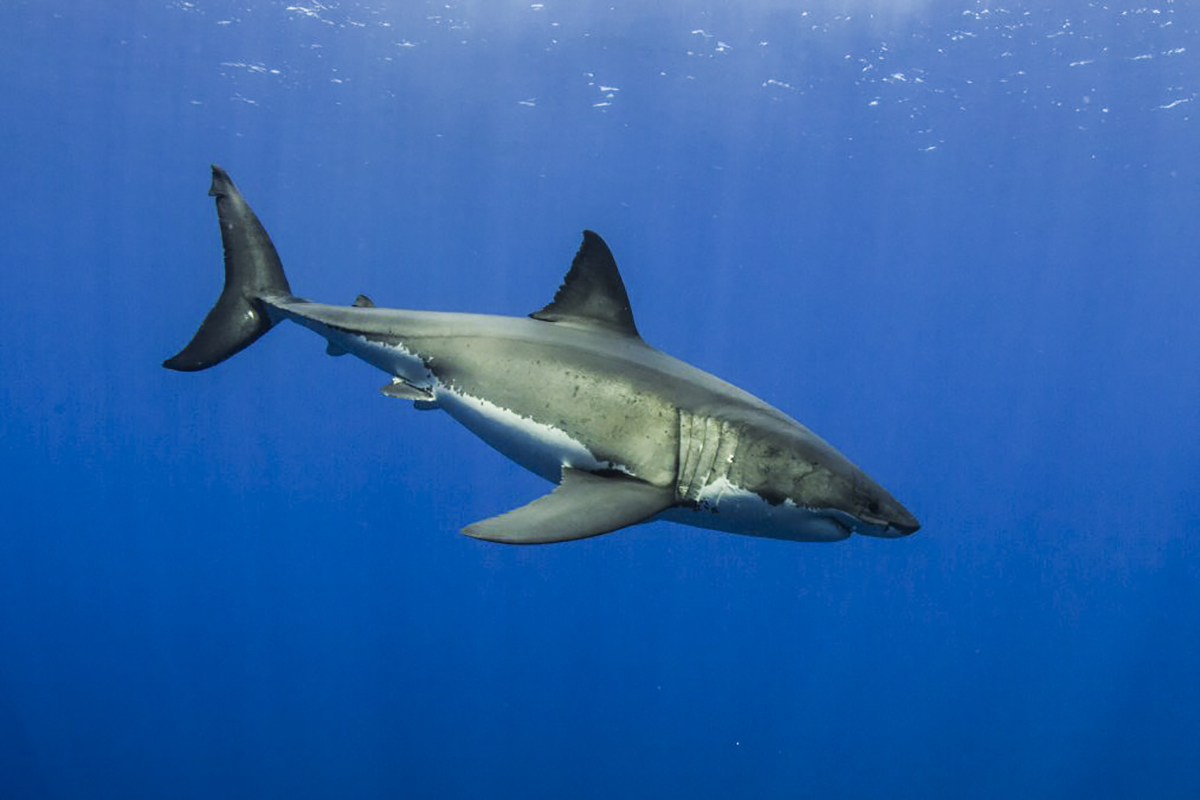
x,y
627,433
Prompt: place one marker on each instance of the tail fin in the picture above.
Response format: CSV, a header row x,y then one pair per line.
x,y
252,271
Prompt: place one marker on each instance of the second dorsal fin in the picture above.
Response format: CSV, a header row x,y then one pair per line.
x,y
593,293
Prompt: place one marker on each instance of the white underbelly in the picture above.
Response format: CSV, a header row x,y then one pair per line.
x,y
540,448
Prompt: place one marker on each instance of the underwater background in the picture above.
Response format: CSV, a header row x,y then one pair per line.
x,y
958,240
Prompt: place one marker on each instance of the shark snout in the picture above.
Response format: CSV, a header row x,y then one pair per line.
x,y
905,526
893,523
880,514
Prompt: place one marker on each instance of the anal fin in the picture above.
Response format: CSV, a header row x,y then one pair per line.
x,y
583,504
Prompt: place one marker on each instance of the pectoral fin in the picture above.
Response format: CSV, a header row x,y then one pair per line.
x,y
582,505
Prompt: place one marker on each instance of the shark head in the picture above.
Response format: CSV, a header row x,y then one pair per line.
x,y
766,475
810,475
800,471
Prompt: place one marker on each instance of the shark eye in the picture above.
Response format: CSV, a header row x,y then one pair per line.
x,y
873,506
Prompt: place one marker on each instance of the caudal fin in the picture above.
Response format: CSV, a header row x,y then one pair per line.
x,y
252,271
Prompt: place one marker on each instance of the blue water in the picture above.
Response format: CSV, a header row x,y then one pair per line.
x,y
957,240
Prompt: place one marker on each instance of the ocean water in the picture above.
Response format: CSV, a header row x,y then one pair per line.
x,y
956,239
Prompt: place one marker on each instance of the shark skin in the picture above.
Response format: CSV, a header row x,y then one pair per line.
x,y
573,393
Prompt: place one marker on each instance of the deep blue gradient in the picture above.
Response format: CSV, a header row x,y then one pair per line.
x,y
958,241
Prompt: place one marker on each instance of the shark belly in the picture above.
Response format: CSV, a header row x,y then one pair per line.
x,y
537,446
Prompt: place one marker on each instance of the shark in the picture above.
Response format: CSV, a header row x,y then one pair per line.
x,y
626,433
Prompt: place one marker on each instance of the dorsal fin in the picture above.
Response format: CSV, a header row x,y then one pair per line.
x,y
592,293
